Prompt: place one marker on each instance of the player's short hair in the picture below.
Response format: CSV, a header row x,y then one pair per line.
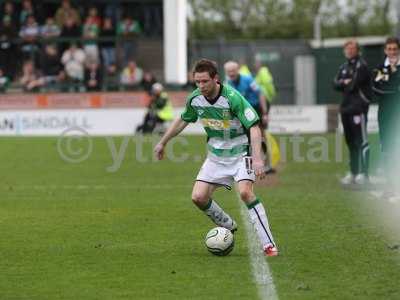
x,y
352,42
392,40
206,65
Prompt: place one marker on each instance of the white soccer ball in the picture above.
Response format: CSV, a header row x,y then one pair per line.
x,y
219,241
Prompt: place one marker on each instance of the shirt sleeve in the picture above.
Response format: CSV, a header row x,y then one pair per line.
x,y
337,81
254,86
189,114
243,110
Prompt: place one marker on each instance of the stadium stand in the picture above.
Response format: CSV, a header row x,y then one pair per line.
x,y
63,46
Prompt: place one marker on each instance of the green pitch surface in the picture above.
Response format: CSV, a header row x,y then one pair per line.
x,y
97,229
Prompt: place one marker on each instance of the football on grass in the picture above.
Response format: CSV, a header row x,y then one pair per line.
x,y
219,241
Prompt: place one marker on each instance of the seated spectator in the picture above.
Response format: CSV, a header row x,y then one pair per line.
x,y
112,80
50,63
8,49
67,12
93,77
93,17
91,30
26,11
131,75
50,29
73,60
31,79
127,29
10,12
29,33
108,47
4,81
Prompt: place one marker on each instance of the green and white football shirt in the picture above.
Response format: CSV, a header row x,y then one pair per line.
x,y
226,120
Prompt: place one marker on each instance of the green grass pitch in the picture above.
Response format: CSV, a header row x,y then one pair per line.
x,y
79,231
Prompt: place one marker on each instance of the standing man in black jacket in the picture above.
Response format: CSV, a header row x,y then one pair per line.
x,y
354,81
386,85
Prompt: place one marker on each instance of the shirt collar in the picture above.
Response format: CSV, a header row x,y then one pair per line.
x,y
387,63
213,101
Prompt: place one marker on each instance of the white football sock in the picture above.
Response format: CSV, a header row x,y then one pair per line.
x,y
259,219
218,216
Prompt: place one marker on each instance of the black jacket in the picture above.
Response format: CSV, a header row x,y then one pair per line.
x,y
358,93
386,83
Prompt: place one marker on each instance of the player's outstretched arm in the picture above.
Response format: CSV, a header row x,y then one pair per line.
x,y
255,141
176,127
263,105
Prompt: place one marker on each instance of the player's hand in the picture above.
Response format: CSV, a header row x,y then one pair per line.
x,y
259,168
159,151
347,81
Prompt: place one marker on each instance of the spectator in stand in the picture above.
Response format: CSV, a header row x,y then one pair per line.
x,y
131,75
29,34
70,30
9,11
31,78
127,30
67,12
147,82
8,50
26,11
73,60
108,47
4,81
112,80
93,77
93,17
50,63
51,66
50,29
91,30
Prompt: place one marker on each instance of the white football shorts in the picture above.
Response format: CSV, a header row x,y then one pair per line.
x,y
225,174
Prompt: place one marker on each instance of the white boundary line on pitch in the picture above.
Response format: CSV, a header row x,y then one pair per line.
x,y
260,268
91,187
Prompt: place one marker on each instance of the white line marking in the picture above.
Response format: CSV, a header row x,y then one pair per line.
x,y
261,272
91,187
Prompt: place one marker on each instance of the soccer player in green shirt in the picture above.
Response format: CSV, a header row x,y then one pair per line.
x,y
231,125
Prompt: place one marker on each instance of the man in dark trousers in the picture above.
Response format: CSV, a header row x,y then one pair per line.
x,y
386,85
354,81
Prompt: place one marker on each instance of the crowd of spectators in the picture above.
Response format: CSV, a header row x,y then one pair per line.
x,y
72,47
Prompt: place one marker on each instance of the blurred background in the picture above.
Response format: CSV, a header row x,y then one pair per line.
x,y
123,43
